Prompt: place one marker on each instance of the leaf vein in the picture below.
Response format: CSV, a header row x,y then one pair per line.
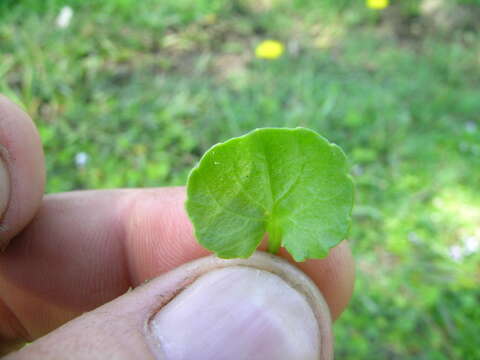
x,y
222,207
296,182
242,188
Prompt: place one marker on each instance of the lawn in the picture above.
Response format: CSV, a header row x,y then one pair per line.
x,y
131,93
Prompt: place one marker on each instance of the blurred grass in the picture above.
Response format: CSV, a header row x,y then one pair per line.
x,y
144,88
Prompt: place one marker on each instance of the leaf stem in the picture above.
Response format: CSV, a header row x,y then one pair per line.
x,y
274,238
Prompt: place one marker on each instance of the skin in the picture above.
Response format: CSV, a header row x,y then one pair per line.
x,y
66,254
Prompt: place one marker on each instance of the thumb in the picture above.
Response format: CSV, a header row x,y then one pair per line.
x,y
256,308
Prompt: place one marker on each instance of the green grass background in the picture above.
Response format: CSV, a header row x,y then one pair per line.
x,y
145,87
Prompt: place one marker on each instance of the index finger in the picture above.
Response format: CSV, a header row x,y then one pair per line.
x,y
21,187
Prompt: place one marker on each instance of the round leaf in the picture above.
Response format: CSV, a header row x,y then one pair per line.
x,y
291,183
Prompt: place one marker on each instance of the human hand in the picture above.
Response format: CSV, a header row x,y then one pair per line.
x,y
80,252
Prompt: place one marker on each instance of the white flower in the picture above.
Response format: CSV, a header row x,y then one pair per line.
x,y
81,159
64,17
456,252
468,246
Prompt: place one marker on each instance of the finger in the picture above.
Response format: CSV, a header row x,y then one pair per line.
x,y
21,185
259,308
22,173
86,248
334,275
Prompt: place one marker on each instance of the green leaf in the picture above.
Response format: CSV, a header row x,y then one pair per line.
x,y
291,183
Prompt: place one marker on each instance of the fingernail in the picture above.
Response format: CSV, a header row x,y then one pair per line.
x,y
4,188
237,313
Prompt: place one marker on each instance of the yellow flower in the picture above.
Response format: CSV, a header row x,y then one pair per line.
x,y
377,4
269,49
